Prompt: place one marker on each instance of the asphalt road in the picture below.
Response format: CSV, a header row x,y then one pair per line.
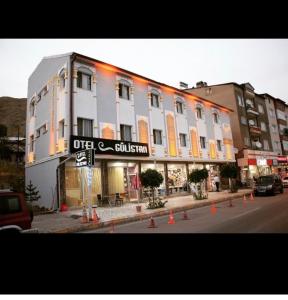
x,y
266,214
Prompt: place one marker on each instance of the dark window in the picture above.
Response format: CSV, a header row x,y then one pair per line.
x,y
154,100
157,137
61,129
183,140
179,107
32,143
32,108
83,81
199,113
85,127
126,132
202,142
9,205
124,91
62,80
219,145
216,118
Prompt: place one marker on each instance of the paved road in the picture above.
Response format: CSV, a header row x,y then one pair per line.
x,y
266,214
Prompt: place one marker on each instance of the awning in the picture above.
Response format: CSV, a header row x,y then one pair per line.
x,y
252,161
282,159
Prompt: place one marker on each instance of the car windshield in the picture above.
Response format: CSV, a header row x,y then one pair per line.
x,y
265,180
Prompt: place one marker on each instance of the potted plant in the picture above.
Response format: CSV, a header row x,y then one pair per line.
x,y
198,177
230,171
152,179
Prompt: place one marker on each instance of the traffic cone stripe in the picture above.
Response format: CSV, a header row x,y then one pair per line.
x,y
171,218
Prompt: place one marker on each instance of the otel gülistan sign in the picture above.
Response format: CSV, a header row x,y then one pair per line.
x,y
104,146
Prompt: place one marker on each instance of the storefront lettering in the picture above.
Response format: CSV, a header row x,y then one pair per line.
x,y
78,144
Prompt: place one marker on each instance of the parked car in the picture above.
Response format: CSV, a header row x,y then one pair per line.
x,y
269,184
15,215
285,181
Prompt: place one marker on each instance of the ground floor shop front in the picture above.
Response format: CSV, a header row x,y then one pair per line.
x,y
111,177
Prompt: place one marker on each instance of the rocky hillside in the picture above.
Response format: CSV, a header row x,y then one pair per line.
x,y
13,112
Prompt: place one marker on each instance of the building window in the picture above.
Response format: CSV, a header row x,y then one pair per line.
x,y
182,140
85,127
199,113
240,101
62,79
219,147
38,132
84,80
154,100
179,107
216,118
247,141
266,144
263,126
32,108
243,120
157,137
61,129
271,112
260,109
124,91
203,142
126,132
32,143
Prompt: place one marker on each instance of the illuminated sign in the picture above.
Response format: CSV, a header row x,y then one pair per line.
x,y
85,158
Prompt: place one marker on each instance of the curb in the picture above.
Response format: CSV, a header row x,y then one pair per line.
x,y
144,216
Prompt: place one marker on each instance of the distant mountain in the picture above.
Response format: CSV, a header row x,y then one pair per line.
x,y
13,112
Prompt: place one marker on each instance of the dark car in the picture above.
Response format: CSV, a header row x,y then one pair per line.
x,y
269,184
15,216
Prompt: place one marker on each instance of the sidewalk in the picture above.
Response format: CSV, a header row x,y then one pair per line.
x,y
70,221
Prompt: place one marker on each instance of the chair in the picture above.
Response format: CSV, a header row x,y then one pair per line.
x,y
99,200
118,199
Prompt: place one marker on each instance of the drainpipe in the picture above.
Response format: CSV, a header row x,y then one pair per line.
x,y
72,59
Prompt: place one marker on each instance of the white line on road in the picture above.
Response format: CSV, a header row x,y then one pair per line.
x,y
245,213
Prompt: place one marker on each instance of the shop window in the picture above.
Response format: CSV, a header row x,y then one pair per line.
x,y
177,178
203,142
182,140
126,132
154,100
84,78
179,107
85,127
219,146
157,137
61,129
124,90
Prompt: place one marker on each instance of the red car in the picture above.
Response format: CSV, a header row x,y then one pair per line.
x,y
14,213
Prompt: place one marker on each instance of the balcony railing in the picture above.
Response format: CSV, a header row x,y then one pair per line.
x,y
252,110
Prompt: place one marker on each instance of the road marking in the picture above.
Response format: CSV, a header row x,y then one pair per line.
x,y
245,213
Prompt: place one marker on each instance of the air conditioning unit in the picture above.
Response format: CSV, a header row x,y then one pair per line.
x,y
251,122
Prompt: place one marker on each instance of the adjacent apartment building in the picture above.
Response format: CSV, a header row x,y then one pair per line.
x,y
257,126
132,122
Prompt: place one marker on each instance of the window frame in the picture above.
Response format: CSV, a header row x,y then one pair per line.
x,y
200,109
32,143
61,129
219,145
80,79
123,128
83,127
179,104
202,138
183,137
155,131
153,95
120,92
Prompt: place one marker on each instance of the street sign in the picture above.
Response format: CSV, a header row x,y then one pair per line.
x,y
85,158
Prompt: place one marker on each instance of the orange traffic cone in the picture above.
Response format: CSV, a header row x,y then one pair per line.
x,y
95,217
185,216
171,218
244,200
152,223
251,197
84,216
213,209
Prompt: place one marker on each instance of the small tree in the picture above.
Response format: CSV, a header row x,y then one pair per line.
x,y
151,179
198,177
230,171
31,193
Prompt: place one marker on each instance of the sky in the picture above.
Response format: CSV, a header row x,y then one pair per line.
x,y
262,62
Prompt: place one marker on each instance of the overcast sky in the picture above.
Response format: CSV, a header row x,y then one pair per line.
x,y
263,63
